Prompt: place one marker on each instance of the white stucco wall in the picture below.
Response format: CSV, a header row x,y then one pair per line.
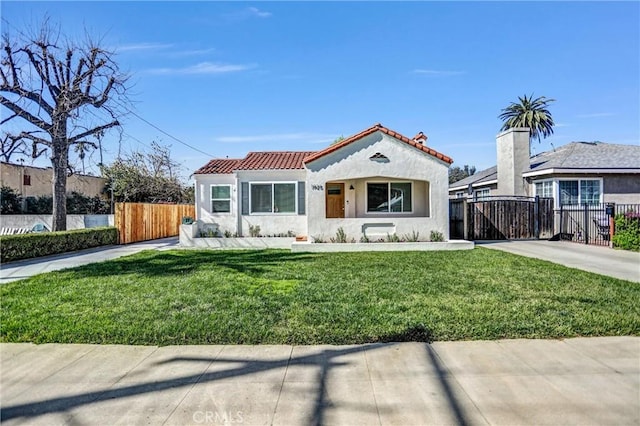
x,y
74,221
235,222
352,165
225,221
273,224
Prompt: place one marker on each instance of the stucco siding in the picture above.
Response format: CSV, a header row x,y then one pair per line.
x,y
12,175
237,223
225,221
622,189
352,165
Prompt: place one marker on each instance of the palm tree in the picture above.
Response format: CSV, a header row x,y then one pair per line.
x,y
531,113
81,149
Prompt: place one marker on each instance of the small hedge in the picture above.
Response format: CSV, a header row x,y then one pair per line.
x,y
25,246
627,231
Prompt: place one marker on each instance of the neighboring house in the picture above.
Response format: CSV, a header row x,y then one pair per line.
x,y
31,181
374,183
576,173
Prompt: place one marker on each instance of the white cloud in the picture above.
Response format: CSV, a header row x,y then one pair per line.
x,y
302,137
203,68
595,115
437,72
194,52
247,13
144,46
254,11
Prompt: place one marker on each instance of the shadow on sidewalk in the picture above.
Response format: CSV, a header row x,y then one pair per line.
x,y
324,360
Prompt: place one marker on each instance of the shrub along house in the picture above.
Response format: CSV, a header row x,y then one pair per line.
x,y
375,183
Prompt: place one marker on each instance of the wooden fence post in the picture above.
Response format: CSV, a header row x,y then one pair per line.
x,y
612,223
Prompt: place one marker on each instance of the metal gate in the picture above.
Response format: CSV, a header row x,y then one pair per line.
x,y
456,218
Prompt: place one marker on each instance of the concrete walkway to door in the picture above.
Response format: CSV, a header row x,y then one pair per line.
x,y
601,260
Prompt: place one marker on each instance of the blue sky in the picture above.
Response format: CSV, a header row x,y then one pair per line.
x,y
233,77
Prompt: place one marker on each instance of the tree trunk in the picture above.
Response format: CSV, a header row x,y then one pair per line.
x,y
59,162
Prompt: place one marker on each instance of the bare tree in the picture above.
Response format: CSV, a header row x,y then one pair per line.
x,y
11,145
54,87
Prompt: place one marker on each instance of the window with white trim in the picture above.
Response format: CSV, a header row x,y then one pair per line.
x,y
220,198
580,191
481,194
460,194
544,189
389,197
271,197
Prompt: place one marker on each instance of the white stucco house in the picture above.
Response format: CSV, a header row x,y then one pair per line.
x,y
374,183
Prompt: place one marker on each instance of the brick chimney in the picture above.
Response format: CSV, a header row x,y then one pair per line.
x,y
513,159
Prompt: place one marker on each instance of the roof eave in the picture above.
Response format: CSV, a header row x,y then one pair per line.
x,y
379,128
473,185
582,170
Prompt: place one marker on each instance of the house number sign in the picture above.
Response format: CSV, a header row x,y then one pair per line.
x,y
317,187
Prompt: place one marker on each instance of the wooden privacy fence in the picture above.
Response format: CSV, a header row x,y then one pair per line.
x,y
142,221
505,218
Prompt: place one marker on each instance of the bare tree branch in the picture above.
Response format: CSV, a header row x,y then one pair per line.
x,y
12,65
35,139
93,131
24,114
11,144
8,118
32,96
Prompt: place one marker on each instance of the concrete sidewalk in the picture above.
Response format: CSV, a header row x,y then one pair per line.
x,y
26,268
524,382
601,260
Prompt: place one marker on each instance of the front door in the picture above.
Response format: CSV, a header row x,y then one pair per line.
x,y
335,200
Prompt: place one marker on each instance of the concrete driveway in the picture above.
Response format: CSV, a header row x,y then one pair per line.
x,y
601,260
509,382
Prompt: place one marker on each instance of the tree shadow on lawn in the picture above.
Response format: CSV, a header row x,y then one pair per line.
x,y
323,361
180,262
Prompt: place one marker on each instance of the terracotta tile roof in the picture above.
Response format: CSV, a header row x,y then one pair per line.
x,y
380,128
218,166
274,160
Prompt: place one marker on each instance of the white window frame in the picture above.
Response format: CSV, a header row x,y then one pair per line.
x,y
220,199
478,197
273,194
388,182
460,194
545,181
579,180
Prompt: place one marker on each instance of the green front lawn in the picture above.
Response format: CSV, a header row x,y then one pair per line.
x,y
274,296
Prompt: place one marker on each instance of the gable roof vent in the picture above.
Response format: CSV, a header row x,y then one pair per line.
x,y
380,158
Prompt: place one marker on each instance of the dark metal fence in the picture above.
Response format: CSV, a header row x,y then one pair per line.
x,y
593,223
